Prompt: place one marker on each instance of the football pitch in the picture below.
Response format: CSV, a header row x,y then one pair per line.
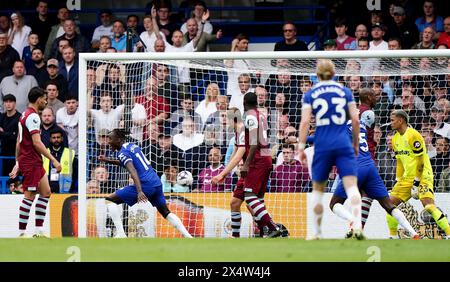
x,y
222,250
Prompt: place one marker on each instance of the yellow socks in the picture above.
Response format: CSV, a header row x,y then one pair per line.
x,y
440,219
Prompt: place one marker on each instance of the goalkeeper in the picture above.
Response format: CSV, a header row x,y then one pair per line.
x,y
414,173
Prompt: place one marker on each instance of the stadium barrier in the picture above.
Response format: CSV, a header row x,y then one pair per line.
x,y
209,216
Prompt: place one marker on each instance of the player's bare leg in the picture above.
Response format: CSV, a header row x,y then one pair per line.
x,y
317,205
438,216
398,215
41,205
174,220
351,189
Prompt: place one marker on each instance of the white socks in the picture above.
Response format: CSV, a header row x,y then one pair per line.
x,y
342,212
354,197
114,212
316,199
400,217
176,222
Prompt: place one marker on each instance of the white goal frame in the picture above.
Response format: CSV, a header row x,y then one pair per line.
x,y
84,57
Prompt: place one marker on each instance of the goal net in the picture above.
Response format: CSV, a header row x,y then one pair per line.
x,y
175,106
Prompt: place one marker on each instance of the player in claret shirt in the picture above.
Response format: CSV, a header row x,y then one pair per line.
x,y
147,185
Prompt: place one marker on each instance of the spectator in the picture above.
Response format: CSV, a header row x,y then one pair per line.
x,y
208,107
442,159
64,181
186,111
214,169
428,137
377,42
15,186
18,38
48,125
166,88
290,41
113,82
405,30
199,10
386,161
188,138
101,175
5,24
119,38
67,118
169,180
222,107
159,46
104,44
69,70
441,127
165,24
193,29
343,41
105,29
157,107
56,77
8,55
237,67
106,117
63,43
383,105
355,84
430,19
290,176
41,23
151,33
444,38
237,98
38,68
394,43
166,153
409,106
33,41
361,32
444,182
427,39
77,41
52,96
9,120
91,83
18,84
330,45
92,187
57,30
134,117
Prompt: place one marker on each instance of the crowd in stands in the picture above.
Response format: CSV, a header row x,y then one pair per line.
x,y
179,114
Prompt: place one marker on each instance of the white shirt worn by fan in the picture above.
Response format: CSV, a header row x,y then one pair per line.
x,y
187,142
204,111
138,113
183,71
150,39
70,124
382,46
105,120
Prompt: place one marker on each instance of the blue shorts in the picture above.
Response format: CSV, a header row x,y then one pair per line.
x,y
369,180
323,162
154,193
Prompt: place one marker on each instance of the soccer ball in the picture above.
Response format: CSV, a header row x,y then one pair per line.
x,y
184,178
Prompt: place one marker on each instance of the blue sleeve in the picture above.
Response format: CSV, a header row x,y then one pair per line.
x,y
439,24
124,157
307,98
349,95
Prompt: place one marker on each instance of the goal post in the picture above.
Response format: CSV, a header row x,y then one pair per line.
x,y
188,76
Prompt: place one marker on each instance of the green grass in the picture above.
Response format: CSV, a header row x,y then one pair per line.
x,y
222,250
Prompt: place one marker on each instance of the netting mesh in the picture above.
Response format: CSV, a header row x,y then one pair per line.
x,y
176,111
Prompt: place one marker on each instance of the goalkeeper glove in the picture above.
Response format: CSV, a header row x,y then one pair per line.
x,y
415,189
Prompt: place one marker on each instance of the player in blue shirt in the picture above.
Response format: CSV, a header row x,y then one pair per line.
x,y
147,185
332,105
369,181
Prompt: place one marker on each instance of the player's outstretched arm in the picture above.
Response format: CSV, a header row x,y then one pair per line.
x,y
354,116
40,148
303,131
235,159
133,173
102,158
